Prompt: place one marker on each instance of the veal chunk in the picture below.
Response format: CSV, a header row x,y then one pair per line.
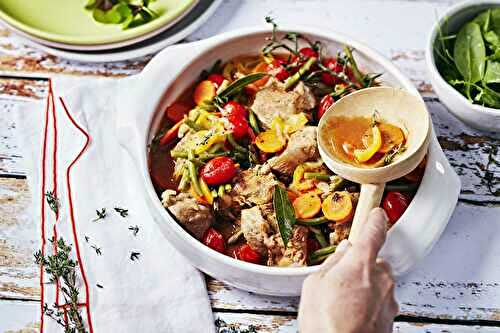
x,y
274,101
296,251
256,229
301,148
253,187
194,217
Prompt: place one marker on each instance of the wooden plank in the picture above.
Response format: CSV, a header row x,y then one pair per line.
x,y
22,317
403,45
468,289
468,150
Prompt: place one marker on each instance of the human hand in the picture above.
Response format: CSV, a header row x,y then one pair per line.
x,y
353,292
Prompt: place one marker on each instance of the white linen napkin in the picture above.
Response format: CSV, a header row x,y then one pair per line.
x,y
158,291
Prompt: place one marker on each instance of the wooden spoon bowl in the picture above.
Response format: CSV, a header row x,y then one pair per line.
x,y
394,106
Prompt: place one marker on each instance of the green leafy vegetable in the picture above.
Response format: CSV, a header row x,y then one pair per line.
x,y
285,214
470,60
469,53
124,12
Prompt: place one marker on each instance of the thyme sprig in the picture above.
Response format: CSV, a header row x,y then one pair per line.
x,y
134,229
61,267
134,255
52,201
101,214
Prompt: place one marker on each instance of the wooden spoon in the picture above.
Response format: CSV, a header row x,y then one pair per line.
x,y
394,106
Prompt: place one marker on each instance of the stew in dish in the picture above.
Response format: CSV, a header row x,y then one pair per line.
x,y
236,160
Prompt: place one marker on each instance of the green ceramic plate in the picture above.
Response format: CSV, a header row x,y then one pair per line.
x,y
67,21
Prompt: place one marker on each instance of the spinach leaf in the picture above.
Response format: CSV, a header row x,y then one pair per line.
x,y
492,74
470,53
492,38
483,20
285,214
490,97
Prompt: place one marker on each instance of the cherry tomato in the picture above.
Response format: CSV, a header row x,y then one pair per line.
x,y
335,67
214,240
246,253
219,170
278,70
324,104
234,109
240,127
217,79
395,204
308,52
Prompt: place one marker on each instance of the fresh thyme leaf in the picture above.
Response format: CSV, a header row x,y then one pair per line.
x,y
52,201
399,149
87,238
97,250
60,267
134,229
123,212
99,286
134,255
101,214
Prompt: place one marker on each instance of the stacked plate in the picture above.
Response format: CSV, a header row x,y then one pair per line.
x,y
66,29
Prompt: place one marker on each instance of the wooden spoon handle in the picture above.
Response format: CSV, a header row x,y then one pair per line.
x,y
369,198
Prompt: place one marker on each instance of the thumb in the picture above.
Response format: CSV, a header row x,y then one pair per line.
x,y
372,236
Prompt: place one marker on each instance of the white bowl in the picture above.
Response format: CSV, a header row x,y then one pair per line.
x,y
477,116
177,67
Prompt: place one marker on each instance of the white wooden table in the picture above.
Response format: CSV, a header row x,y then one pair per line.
x,y
455,289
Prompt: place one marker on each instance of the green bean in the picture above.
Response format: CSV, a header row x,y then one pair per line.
x,y
193,125
317,175
313,221
178,154
323,251
295,77
319,237
336,182
252,120
198,162
215,147
234,237
193,174
209,156
235,145
184,180
354,66
317,260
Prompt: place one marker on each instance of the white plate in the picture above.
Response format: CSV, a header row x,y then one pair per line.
x,y
102,47
186,26
163,80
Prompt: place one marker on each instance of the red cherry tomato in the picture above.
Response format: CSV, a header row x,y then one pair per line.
x,y
234,109
240,127
214,240
334,66
278,70
308,52
395,204
217,79
324,104
219,170
246,253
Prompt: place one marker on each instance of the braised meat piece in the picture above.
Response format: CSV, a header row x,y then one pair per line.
x,y
194,217
296,251
301,147
274,101
253,187
256,229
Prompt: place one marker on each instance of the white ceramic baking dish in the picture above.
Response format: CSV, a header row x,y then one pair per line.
x,y
177,67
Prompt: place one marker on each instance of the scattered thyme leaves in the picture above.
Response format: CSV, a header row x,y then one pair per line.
x,y
134,256
97,250
52,201
87,238
134,229
61,267
123,212
101,214
99,286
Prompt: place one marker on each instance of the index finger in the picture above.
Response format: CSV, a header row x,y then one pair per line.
x,y
372,236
